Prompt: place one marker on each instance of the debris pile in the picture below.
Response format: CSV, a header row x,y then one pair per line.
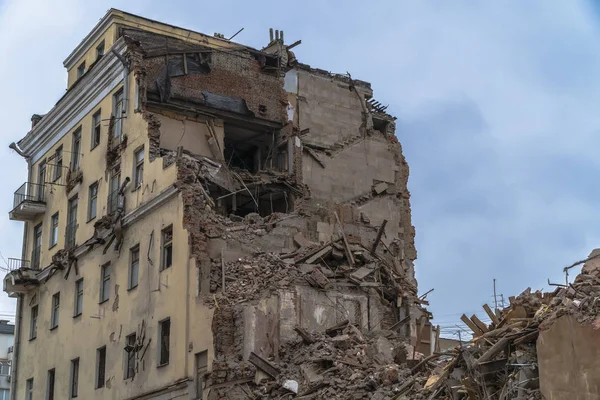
x,y
501,362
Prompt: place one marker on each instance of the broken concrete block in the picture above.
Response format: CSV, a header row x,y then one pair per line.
x,y
342,341
361,273
317,278
380,187
382,350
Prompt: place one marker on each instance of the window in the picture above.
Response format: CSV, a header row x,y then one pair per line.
x,y
166,248
134,267
105,283
130,356
74,378
41,180
54,230
96,128
164,341
55,310
78,297
100,367
76,150
50,384
113,196
4,394
33,323
92,200
138,173
81,70
71,230
58,164
29,389
37,247
5,369
118,114
100,50
201,370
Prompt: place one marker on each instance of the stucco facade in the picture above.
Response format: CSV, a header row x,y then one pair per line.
x,y
167,139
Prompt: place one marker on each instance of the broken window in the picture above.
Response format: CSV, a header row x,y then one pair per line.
x,y
74,378
100,50
100,367
113,195
96,129
134,267
33,323
54,230
166,248
130,356
104,282
78,297
248,149
29,389
71,229
57,163
138,172
37,246
118,112
164,340
55,310
50,384
81,70
92,200
76,150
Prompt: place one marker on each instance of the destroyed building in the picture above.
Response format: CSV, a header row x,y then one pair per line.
x,y
206,220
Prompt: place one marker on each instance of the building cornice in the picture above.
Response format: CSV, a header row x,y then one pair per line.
x,y
82,98
90,39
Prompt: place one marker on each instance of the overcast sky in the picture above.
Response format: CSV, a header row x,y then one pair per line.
x,y
497,106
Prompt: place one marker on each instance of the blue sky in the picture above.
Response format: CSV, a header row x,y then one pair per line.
x,y
497,106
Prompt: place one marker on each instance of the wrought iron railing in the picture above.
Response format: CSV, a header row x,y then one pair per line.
x,y
29,191
17,263
70,235
35,257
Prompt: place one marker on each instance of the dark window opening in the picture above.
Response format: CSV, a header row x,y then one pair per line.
x,y
100,367
81,70
249,150
50,387
264,201
164,341
100,50
130,356
380,125
74,378
166,248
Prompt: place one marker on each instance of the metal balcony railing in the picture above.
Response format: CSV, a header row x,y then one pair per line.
x,y
35,257
70,235
29,191
17,263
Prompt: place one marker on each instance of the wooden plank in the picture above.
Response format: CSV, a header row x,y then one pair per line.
x,y
437,338
307,337
263,365
379,234
527,338
490,314
362,273
494,350
345,241
471,325
323,253
479,324
418,342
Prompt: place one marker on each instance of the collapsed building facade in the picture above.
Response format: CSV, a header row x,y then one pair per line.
x,y
206,209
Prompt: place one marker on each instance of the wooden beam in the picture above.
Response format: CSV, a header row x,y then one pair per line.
x,y
346,245
471,325
479,324
490,314
379,234
494,350
263,365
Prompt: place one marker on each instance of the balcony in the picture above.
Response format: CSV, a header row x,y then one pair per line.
x,y
29,202
16,263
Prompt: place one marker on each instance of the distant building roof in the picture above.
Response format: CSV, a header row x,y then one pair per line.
x,y
5,327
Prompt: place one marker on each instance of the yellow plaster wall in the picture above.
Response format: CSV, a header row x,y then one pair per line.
x,y
109,37
158,296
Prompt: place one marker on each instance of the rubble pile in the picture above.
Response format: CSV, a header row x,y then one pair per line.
x,y
501,361
340,364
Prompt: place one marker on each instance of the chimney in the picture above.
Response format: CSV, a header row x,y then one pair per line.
x,y
270,34
276,34
35,118
281,35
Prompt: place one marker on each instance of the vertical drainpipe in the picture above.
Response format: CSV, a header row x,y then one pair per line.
x,y
19,316
15,361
